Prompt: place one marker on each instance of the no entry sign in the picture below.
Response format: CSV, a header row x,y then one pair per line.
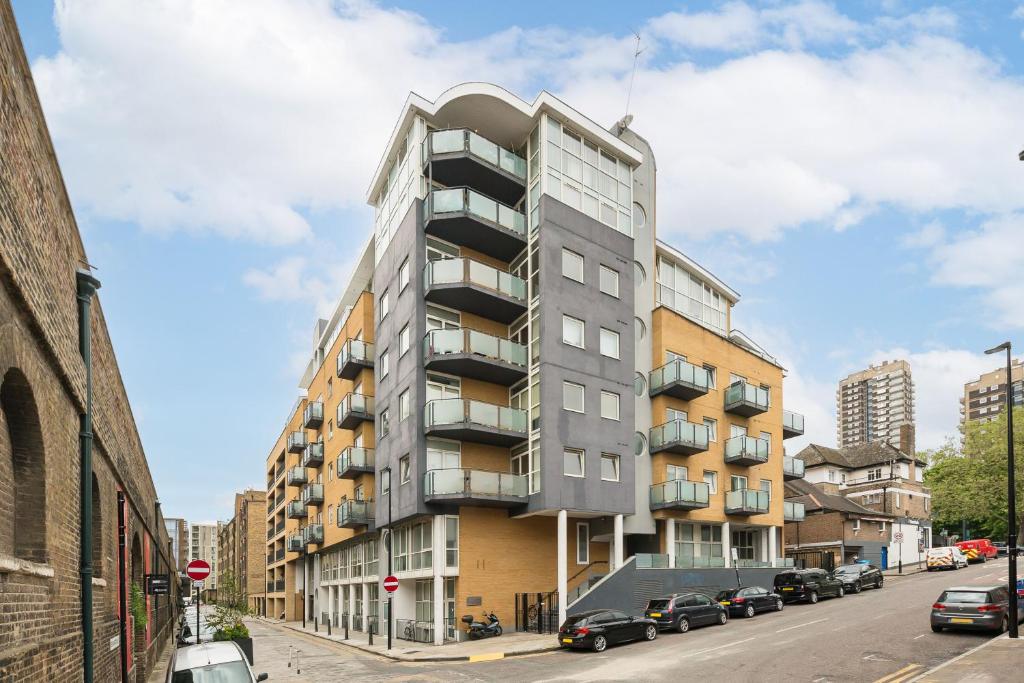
x,y
197,570
390,584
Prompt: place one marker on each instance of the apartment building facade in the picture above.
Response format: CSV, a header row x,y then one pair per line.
x,y
521,385
203,545
873,404
240,550
985,397
177,531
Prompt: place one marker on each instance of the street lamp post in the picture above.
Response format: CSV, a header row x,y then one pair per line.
x,y
1011,487
388,545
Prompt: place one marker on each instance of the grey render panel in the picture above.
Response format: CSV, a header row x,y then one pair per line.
x,y
561,226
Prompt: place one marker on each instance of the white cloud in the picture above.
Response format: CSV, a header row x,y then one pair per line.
x,y
1018,12
294,278
930,235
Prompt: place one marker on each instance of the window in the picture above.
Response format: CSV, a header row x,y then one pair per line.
x,y
443,455
684,292
674,472
609,405
403,405
421,551
737,482
896,498
385,485
711,479
330,471
573,462
639,443
403,469
672,415
737,430
451,541
767,438
403,341
856,525
609,343
330,428
609,281
609,467
875,474
425,600
403,276
572,397
582,543
572,265
712,426
385,423
384,305
766,486
330,387
573,331
384,363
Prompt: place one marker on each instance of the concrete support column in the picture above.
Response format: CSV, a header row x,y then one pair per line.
x,y
670,540
620,550
563,569
764,543
351,606
366,607
330,604
773,547
726,544
438,540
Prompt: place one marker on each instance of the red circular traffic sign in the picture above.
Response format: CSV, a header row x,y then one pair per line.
x,y
391,584
197,570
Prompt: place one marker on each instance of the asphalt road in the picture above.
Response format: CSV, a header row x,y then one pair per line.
x,y
878,635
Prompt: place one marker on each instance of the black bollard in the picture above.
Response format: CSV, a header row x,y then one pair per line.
x,y
328,627
346,629
316,626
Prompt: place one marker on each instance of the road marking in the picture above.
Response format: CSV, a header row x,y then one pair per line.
x,y
920,636
488,657
896,676
907,676
790,628
720,647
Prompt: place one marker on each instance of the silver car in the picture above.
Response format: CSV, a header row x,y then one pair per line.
x,y
983,608
218,662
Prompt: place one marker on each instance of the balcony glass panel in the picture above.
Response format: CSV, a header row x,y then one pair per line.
x,y
792,467
680,491
456,270
442,342
457,410
792,421
483,148
747,499
470,482
679,431
355,349
355,457
738,392
794,512
460,139
746,447
679,370
444,141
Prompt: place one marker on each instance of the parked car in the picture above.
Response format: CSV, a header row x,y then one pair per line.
x,y
978,550
807,584
856,577
974,608
683,610
946,557
749,600
1001,549
597,629
222,661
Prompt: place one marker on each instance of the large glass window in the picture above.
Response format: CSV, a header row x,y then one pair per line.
x,y
451,541
442,454
684,292
421,546
573,462
673,472
572,265
573,330
609,281
609,343
609,467
697,541
572,397
609,405
425,600
582,543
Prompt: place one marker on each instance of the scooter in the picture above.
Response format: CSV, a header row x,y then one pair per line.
x,y
478,629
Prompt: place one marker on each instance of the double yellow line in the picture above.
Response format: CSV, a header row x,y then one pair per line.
x,y
904,674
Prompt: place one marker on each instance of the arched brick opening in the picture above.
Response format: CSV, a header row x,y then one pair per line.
x,y
24,438
139,633
97,528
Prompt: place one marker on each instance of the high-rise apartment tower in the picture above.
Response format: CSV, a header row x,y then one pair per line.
x,y
874,404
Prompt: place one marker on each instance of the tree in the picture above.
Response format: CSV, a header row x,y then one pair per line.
x,y
968,479
230,610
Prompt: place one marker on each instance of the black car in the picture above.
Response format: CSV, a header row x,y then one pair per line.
x,y
857,577
807,584
1001,549
599,628
683,610
747,601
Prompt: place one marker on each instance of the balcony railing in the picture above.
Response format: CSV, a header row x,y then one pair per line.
x,y
296,509
296,442
354,461
279,554
279,528
296,476
742,398
313,415
354,357
295,543
279,586
679,436
499,489
475,287
679,379
313,494
680,494
463,140
467,218
746,502
746,450
313,534
792,424
792,468
313,454
355,513
469,420
469,353
355,409
793,511
462,157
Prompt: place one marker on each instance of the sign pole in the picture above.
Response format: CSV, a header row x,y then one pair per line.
x,y
197,612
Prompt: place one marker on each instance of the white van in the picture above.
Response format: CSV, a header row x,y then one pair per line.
x,y
948,557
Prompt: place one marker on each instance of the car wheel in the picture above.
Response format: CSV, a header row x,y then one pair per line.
x,y
936,629
984,559
778,605
683,625
600,644
841,592
749,612
651,633
857,587
812,597
722,618
878,584
1004,625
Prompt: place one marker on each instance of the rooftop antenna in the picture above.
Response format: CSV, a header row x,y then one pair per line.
x,y
628,118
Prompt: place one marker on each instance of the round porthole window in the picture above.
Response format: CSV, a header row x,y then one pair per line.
x,y
639,443
641,329
639,274
639,384
639,218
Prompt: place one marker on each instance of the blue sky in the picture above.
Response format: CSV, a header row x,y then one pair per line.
x,y
850,169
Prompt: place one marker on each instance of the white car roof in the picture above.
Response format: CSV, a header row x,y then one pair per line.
x,y
196,656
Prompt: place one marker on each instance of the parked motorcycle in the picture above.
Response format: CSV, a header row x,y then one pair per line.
x,y
478,629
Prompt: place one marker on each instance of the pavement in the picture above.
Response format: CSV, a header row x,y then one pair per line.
x,y
999,659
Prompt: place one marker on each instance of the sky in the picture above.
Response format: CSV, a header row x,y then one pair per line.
x,y
851,169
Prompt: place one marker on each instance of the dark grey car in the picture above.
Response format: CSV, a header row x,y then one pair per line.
x,y
857,577
982,608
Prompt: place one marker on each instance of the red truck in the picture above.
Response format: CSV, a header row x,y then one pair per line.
x,y
978,550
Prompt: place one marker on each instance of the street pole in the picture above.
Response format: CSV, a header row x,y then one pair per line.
x,y
390,594
1011,489
198,635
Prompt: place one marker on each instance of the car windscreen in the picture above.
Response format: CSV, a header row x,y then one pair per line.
x,y
657,604
725,595
964,597
789,579
848,569
227,672
574,620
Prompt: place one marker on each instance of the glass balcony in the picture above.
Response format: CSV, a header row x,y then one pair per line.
x,y
313,534
296,476
313,415
473,354
475,287
355,409
679,379
746,450
793,512
295,545
475,487
746,502
462,157
354,461
468,420
296,442
792,468
467,218
354,357
296,509
313,494
313,454
792,424
355,513
680,494
746,399
679,436
699,562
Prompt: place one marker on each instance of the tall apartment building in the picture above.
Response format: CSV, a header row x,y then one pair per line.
x,y
226,544
203,546
522,383
872,405
984,398
241,542
177,531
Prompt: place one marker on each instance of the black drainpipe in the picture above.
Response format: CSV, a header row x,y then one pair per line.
x,y
87,286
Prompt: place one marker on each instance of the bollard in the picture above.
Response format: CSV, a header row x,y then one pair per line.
x,y
901,565
370,632
289,656
316,627
298,664
346,629
328,628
